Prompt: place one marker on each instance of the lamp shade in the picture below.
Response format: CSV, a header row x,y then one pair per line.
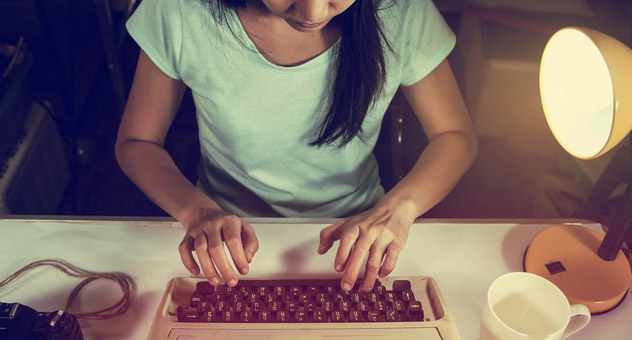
x,y
586,90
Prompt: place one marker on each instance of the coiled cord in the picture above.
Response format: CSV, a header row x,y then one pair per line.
x,y
125,281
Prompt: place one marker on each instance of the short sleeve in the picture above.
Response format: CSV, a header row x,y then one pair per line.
x,y
156,26
427,41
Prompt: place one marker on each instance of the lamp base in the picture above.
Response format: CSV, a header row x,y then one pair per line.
x,y
567,256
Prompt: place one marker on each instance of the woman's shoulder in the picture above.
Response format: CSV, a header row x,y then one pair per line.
x,y
177,8
399,8
164,6
411,16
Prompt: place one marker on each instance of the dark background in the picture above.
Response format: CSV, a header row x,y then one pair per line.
x,y
81,70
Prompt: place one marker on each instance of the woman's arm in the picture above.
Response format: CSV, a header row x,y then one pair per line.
x,y
152,105
439,106
381,232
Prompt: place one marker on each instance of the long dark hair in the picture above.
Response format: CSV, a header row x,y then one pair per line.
x,y
357,76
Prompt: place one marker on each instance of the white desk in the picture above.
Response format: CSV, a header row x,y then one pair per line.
x,y
464,257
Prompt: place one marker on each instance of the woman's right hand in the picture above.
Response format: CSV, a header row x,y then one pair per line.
x,y
206,232
151,108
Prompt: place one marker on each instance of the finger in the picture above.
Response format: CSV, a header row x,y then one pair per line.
x,y
347,241
354,265
392,253
185,249
251,243
218,254
200,244
232,237
373,264
330,235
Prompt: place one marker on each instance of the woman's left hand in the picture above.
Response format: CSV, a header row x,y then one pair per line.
x,y
378,233
381,232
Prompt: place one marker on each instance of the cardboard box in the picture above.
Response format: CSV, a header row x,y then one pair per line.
x,y
501,83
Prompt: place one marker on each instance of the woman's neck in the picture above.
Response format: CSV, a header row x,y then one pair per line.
x,y
257,12
281,44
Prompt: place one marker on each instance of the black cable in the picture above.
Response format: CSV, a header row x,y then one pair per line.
x,y
620,226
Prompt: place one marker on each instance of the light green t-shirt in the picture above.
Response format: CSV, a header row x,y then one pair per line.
x,y
256,118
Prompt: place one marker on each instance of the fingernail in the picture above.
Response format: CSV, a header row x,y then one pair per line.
x,y
214,281
244,270
346,287
249,256
232,282
339,267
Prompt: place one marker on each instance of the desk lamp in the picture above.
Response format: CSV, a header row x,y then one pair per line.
x,y
586,92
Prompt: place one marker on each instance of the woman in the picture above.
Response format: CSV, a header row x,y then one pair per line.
x,y
290,95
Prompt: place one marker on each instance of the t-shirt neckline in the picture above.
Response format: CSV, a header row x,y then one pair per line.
x,y
320,61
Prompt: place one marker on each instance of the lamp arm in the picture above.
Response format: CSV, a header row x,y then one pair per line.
x,y
613,240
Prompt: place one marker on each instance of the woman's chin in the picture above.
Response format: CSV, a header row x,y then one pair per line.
x,y
304,27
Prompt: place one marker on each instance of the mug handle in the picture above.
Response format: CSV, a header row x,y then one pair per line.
x,y
580,316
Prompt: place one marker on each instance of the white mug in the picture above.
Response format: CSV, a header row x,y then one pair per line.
x,y
525,306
